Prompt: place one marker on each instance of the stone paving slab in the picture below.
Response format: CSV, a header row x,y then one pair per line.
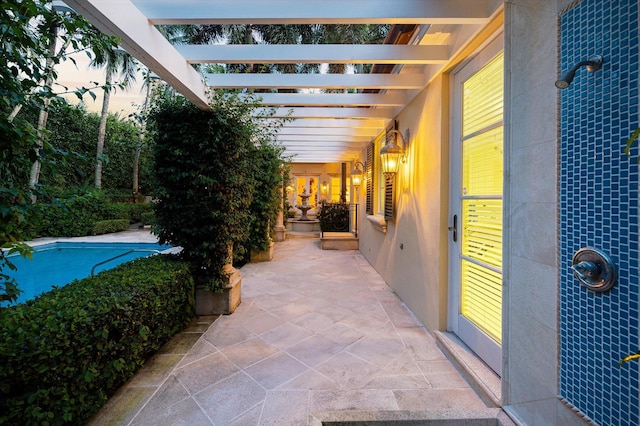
x,y
316,332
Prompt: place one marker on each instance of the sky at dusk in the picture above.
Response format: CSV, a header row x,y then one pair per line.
x,y
80,74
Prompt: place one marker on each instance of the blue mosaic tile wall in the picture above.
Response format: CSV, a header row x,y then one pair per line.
x,y
599,208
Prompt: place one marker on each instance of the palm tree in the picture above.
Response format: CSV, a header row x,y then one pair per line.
x,y
148,85
349,34
117,63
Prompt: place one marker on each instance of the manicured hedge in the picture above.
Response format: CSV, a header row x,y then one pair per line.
x,y
64,353
74,217
109,226
78,215
130,211
148,218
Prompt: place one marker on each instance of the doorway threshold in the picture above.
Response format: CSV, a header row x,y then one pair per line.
x,y
484,381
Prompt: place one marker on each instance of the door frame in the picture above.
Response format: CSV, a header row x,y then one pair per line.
x,y
486,348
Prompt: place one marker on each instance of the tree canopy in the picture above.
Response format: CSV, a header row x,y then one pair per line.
x,y
29,32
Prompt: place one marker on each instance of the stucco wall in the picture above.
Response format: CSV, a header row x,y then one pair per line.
x,y
417,272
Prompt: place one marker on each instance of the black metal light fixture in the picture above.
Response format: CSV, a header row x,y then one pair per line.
x,y
392,153
357,173
593,64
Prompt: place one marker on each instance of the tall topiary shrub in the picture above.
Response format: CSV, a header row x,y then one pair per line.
x,y
206,179
268,171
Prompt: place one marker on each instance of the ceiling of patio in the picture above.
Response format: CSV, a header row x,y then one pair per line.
x,y
328,127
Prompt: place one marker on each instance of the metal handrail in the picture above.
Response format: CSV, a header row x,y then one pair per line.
x,y
120,255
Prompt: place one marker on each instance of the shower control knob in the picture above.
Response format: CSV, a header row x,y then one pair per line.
x,y
594,269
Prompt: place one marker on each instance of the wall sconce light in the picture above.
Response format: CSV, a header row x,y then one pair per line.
x,y
324,189
289,189
392,153
357,173
593,64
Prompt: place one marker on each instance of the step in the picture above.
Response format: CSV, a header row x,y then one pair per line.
x,y
339,241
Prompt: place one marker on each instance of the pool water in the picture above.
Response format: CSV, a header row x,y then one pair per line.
x,y
57,264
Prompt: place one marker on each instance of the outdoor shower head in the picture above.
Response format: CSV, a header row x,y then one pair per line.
x,y
593,64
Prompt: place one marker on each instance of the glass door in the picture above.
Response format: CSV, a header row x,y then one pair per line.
x,y
476,205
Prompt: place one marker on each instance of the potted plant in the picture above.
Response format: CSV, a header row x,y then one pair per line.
x,y
204,185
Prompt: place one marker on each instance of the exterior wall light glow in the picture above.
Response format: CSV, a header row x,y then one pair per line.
x,y
324,189
392,153
357,173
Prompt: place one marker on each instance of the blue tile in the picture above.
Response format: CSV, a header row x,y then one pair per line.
x,y
598,205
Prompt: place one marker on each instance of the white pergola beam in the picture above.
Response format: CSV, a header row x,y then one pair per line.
x,y
143,41
323,159
323,138
328,131
311,149
318,81
340,113
314,54
369,124
319,12
332,99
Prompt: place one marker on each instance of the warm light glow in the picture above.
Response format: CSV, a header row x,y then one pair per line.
x,y
357,173
390,163
324,188
391,153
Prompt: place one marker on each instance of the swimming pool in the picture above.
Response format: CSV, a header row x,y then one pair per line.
x,y
57,264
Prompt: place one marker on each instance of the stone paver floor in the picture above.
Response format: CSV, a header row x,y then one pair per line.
x,y
317,332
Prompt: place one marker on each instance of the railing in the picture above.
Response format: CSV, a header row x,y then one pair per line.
x,y
338,217
120,255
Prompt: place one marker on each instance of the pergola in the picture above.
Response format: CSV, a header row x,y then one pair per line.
x,y
426,37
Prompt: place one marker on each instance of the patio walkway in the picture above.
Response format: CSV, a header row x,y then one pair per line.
x,y
318,336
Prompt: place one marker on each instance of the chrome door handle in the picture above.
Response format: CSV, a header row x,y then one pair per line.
x,y
454,228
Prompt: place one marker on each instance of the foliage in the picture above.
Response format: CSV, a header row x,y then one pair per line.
x,y
629,358
627,150
76,215
334,217
148,218
634,137
28,31
65,352
132,212
207,169
267,165
109,226
73,133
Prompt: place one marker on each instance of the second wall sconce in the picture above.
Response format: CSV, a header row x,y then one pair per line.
x,y
357,173
392,153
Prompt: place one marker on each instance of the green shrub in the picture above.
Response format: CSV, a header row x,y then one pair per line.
x,y
64,353
148,218
333,217
129,211
109,226
137,210
75,216
116,195
119,211
204,183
